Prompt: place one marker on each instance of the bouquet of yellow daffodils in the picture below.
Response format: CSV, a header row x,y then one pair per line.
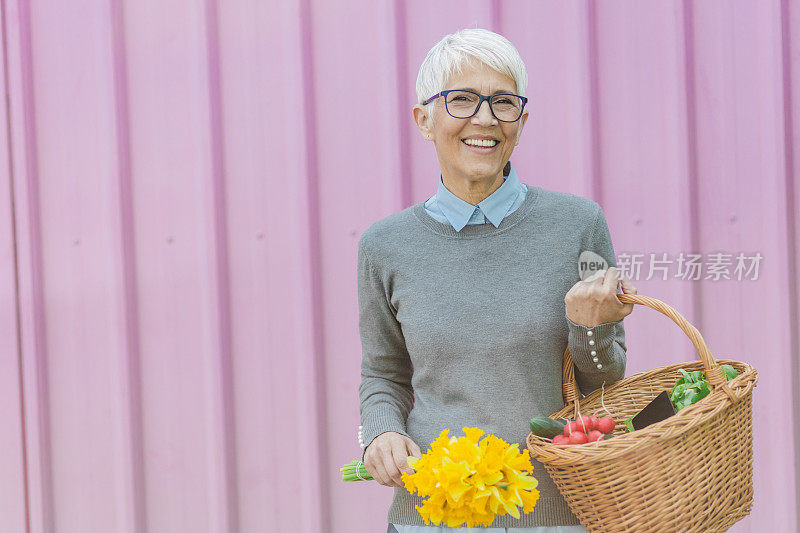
x,y
468,481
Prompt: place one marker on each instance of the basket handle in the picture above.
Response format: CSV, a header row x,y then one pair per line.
x,y
716,378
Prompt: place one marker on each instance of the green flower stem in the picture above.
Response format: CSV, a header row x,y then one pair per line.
x,y
351,471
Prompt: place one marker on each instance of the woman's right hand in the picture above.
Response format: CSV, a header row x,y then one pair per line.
x,y
386,458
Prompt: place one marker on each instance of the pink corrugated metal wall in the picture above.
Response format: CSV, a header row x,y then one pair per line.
x,y
183,184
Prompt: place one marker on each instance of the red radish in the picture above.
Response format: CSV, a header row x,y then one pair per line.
x,y
575,426
579,437
593,420
585,423
560,439
606,425
594,435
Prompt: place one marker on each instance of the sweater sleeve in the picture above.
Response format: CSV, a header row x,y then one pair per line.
x,y
599,352
386,394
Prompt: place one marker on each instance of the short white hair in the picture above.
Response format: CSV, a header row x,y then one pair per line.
x,y
449,55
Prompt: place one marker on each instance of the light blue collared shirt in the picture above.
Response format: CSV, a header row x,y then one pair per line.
x,y
447,208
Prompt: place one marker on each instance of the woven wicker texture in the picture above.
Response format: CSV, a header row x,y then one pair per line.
x,y
690,472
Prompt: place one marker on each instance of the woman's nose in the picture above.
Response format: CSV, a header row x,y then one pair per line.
x,y
484,114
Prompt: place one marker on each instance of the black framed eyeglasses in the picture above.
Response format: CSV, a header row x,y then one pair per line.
x,y
460,103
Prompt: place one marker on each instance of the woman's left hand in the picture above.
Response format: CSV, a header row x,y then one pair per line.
x,y
594,300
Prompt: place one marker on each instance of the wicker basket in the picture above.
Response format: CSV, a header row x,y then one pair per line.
x,y
690,472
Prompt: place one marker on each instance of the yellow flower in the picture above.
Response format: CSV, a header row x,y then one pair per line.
x,y
469,481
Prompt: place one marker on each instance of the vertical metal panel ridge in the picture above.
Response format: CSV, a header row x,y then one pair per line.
x,y
32,320
596,179
229,521
401,50
24,512
15,267
495,16
791,231
130,372
317,361
696,289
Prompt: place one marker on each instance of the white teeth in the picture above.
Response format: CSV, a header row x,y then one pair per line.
x,y
476,142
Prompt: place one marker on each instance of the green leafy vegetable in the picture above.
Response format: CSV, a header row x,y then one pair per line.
x,y
629,424
729,371
693,386
547,427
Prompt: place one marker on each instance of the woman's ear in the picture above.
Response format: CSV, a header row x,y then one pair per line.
x,y
522,121
423,121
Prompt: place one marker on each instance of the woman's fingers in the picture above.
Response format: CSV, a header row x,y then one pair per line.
x,y
375,458
594,300
611,280
376,469
413,449
627,286
387,458
400,464
388,467
596,276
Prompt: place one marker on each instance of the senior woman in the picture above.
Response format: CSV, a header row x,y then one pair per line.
x,y
467,300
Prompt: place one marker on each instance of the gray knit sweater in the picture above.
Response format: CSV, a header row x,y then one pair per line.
x,y
468,328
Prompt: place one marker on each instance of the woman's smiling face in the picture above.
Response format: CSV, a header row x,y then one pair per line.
x,y
457,159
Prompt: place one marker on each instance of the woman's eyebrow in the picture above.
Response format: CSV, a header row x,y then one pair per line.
x,y
498,91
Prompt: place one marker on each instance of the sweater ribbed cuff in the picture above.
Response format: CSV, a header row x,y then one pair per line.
x,y
590,348
380,419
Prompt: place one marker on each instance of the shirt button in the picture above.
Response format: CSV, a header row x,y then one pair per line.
x,y
591,343
594,352
595,359
599,366
590,333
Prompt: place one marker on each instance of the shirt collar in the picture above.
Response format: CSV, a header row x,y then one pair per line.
x,y
494,207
